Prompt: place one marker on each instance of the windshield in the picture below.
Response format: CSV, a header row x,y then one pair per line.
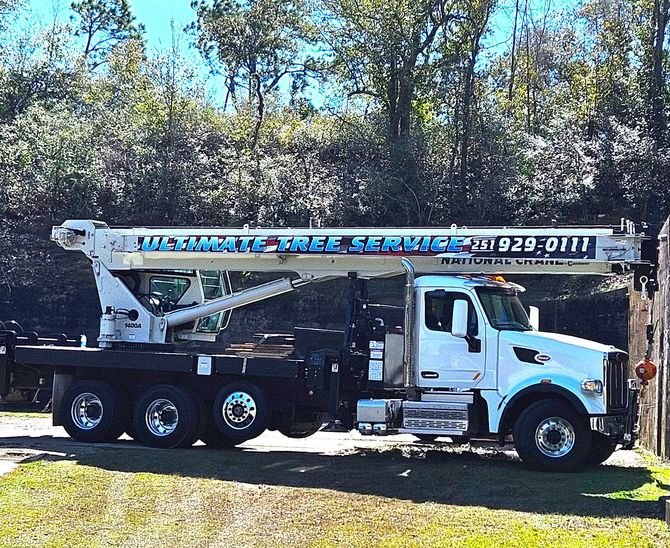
x,y
504,309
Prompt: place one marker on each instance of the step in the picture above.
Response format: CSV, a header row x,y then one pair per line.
x,y
451,397
435,417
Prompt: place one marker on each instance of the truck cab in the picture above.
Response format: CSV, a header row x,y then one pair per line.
x,y
479,365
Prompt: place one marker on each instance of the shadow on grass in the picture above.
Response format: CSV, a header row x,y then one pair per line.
x,y
489,479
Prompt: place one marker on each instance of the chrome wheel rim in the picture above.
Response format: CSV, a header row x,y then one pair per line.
x,y
161,417
555,437
86,411
239,410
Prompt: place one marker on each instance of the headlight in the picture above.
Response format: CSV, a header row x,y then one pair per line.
x,y
589,385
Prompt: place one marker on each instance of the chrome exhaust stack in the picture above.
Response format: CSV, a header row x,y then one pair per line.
x,y
409,377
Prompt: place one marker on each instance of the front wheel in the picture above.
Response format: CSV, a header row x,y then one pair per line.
x,y
551,436
241,411
92,411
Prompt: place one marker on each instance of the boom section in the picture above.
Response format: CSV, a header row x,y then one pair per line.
x,y
370,252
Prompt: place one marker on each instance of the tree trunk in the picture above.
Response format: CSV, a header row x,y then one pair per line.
x,y
657,122
392,97
405,94
468,91
512,70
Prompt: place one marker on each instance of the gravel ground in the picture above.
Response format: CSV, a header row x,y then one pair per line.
x,y
30,436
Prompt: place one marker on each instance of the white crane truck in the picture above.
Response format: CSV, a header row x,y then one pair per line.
x,y
468,362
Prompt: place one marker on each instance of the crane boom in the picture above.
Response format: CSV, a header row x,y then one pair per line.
x,y
141,306
370,252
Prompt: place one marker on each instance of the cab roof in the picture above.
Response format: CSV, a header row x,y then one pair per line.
x,y
448,281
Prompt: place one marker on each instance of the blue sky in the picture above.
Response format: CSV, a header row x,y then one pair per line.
x,y
156,16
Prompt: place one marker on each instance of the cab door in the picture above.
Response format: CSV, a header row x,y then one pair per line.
x,y
445,361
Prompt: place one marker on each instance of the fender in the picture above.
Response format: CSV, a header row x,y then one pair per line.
x,y
543,388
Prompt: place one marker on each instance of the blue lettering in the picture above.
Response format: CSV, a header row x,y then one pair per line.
x,y
317,244
207,243
439,244
227,245
357,244
300,244
165,244
456,244
410,243
244,243
150,243
333,244
284,242
391,243
373,243
259,244
179,243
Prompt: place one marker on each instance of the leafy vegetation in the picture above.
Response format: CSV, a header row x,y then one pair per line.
x,y
332,112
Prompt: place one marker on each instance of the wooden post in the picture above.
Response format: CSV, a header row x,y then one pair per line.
x,y
654,404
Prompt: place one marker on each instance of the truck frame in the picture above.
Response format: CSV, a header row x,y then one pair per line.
x,y
467,363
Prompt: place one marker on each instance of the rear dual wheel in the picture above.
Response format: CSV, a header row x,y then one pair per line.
x,y
93,411
241,412
167,416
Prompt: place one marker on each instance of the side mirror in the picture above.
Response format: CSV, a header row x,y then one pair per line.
x,y
459,319
535,317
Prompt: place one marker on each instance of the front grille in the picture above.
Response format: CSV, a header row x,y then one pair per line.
x,y
616,385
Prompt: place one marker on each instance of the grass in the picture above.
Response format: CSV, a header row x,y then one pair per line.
x,y
198,497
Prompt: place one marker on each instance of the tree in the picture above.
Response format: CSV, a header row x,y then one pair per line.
x,y
653,29
7,7
386,50
35,67
104,24
256,44
477,21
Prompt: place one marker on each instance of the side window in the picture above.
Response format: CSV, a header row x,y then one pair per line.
x,y
440,307
171,289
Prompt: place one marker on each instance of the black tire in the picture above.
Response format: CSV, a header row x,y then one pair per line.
x,y
166,416
92,411
426,437
210,434
130,430
602,448
302,430
565,442
241,411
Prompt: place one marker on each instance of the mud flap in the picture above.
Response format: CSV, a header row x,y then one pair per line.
x,y
61,383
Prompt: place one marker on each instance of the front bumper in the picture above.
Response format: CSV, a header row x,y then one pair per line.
x,y
623,428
